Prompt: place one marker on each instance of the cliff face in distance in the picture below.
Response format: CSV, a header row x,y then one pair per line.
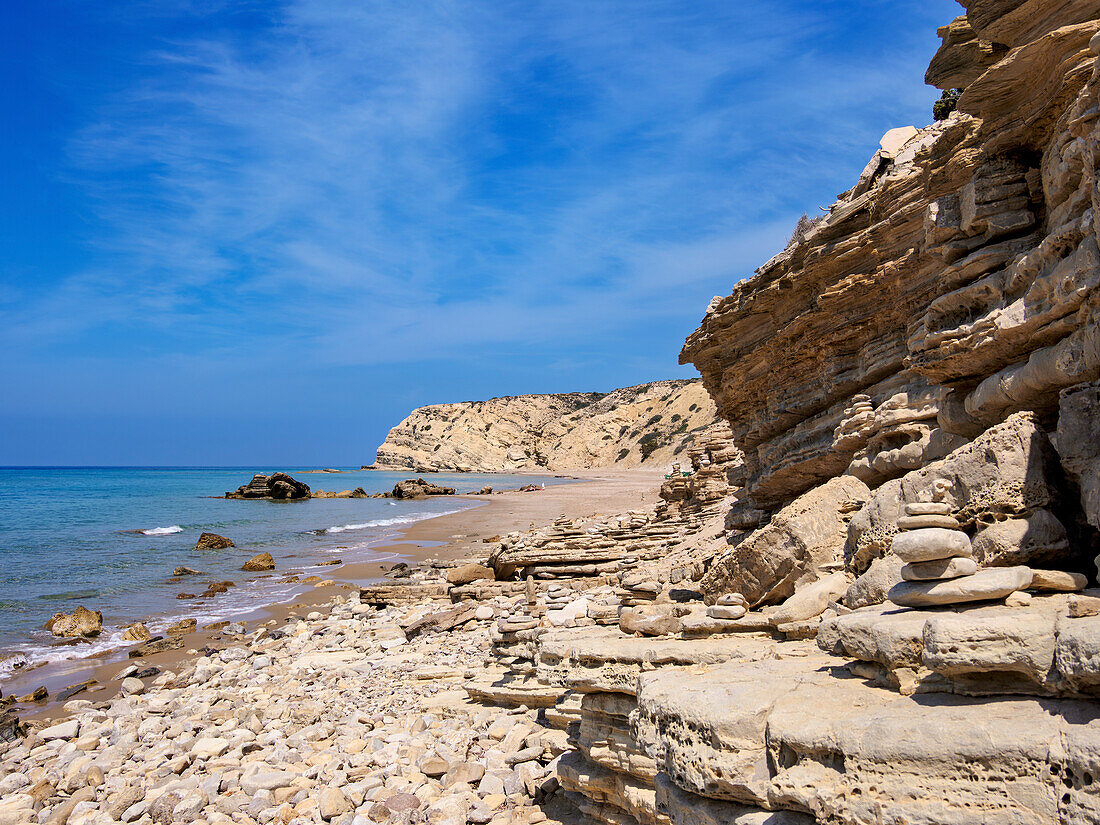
x,y
646,425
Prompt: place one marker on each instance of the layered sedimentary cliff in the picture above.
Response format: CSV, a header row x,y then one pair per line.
x,y
646,424
954,284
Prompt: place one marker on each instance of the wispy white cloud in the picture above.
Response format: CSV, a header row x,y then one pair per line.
x,y
381,181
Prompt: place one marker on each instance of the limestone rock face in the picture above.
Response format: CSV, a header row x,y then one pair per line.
x,y
953,285
790,736
631,427
871,586
1038,539
1008,471
276,487
800,542
963,58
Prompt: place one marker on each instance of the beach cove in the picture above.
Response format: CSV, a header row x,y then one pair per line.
x,y
466,521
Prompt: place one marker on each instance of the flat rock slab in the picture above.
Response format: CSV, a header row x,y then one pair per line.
x,y
604,659
977,650
707,729
920,571
794,735
442,620
985,585
512,691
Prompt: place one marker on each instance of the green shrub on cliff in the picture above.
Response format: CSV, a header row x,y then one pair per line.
x,y
943,107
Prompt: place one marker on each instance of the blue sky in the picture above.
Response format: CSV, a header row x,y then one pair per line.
x,y
260,232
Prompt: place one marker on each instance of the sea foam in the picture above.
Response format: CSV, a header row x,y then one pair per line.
x,y
162,531
388,522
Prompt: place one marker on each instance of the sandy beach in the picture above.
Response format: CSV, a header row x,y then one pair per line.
x,y
454,536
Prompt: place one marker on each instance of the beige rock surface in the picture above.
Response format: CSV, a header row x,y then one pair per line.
x,y
81,622
1006,472
630,427
795,547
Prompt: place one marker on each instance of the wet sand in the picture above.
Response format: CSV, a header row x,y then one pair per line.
x,y
453,536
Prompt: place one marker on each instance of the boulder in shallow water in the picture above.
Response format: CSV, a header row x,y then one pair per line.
x,y
182,626
137,632
259,563
275,487
186,571
419,488
212,541
82,622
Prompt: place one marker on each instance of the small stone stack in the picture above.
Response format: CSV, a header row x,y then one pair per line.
x,y
638,589
932,544
730,606
940,568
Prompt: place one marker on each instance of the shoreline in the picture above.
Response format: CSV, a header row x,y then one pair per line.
x,y
446,537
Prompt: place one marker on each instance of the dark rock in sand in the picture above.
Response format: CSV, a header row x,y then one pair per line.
x,y
11,728
419,488
39,694
212,541
275,487
146,672
401,570
329,563
73,690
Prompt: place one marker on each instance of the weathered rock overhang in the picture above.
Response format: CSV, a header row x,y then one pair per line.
x,y
954,285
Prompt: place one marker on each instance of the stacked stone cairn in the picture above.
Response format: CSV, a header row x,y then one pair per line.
x,y
939,565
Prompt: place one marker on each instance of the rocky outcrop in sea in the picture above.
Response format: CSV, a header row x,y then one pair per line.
x,y
275,487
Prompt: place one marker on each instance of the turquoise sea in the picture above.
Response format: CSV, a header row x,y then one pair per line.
x,y
109,538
